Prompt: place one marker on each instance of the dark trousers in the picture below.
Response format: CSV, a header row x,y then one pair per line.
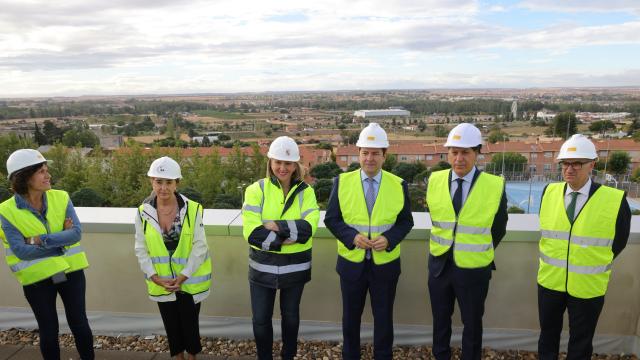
x,y
180,318
262,301
583,318
354,294
42,299
470,288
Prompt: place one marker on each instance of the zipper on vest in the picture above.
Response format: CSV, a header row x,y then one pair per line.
x,y
566,280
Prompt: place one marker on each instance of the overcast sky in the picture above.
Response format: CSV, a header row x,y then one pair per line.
x,y
85,47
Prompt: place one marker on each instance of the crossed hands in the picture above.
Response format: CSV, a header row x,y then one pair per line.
x,y
35,240
271,225
378,244
171,285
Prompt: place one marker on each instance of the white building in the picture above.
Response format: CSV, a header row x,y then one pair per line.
x,y
381,113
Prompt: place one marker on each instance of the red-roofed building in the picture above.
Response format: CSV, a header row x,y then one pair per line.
x,y
541,156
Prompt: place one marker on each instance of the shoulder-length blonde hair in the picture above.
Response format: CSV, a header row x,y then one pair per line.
x,y
298,173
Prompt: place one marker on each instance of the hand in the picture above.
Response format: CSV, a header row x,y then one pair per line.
x,y
361,242
34,240
288,242
175,283
270,225
68,224
165,283
380,243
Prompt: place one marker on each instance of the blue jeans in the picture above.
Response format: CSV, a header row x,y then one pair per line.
x,y
262,301
42,298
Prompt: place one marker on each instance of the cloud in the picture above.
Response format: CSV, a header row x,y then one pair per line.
x,y
572,6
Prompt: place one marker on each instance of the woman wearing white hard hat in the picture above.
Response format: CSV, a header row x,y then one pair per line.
x,y
279,215
41,236
172,251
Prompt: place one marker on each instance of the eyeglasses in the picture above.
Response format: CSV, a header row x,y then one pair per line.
x,y
576,165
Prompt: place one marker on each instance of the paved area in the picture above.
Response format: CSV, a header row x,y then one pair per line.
x,y
20,352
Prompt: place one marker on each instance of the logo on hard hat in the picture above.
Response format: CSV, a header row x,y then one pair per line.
x,y
288,152
457,137
571,149
161,168
372,138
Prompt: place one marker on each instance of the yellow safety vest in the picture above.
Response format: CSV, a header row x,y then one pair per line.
x,y
577,258
470,232
31,271
169,266
389,203
266,199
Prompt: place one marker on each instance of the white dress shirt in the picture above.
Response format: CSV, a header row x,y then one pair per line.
x,y
466,184
582,198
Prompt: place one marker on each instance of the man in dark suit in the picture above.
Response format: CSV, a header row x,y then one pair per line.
x,y
468,211
369,214
583,226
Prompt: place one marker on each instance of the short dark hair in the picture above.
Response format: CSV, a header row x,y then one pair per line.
x,y
20,178
478,148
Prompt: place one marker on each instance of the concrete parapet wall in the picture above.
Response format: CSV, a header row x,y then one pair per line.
x,y
116,285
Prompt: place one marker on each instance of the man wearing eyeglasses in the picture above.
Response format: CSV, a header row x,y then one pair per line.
x,y
584,226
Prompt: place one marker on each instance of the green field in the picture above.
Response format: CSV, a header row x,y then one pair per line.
x,y
221,114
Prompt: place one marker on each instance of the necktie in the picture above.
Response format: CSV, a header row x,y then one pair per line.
x,y
370,198
457,196
370,195
571,209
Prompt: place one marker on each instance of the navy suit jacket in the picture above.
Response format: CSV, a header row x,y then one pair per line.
x,y
344,233
498,229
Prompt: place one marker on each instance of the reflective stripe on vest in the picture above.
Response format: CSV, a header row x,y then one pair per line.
x,y
279,270
169,267
470,232
389,203
577,258
32,271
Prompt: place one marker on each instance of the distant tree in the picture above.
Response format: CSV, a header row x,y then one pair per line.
x,y
226,201
205,141
515,210
325,170
84,137
322,188
38,136
51,132
224,137
422,126
619,162
440,131
353,166
192,194
601,126
564,125
407,171
87,197
497,135
634,126
512,161
416,198
441,165
325,146
390,162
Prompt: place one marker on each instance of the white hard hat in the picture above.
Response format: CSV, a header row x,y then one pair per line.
x,y
464,136
373,136
284,148
164,168
577,147
23,158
